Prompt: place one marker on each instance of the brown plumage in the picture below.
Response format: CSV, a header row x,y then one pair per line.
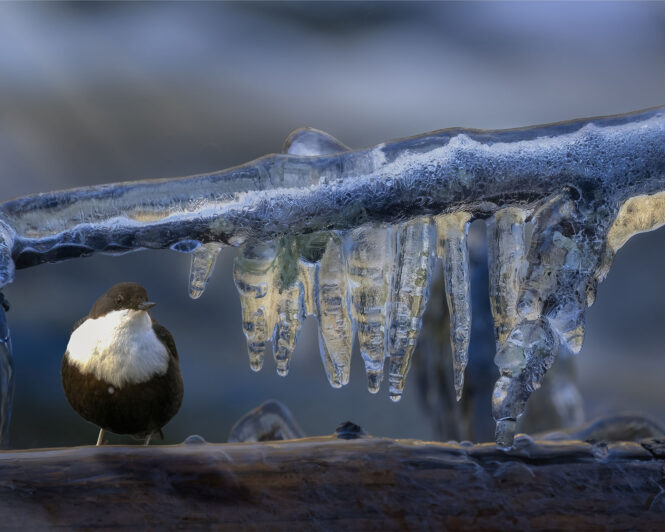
x,y
136,408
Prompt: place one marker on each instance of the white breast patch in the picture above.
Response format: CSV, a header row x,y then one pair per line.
x,y
120,347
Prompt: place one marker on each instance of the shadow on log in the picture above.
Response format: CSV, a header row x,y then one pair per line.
x,y
330,483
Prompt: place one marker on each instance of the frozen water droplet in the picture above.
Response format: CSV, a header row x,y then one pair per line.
x,y
374,379
255,361
271,421
452,230
413,266
202,266
370,252
308,141
395,396
194,439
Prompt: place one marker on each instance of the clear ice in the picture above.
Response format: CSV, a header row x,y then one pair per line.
x,y
413,265
269,421
452,230
352,237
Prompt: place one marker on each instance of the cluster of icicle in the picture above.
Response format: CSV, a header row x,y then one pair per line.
x,y
371,282
354,237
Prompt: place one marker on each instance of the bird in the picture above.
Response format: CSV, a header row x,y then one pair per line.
x,y
120,370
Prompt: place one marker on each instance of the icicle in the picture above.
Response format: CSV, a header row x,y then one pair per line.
x,y
530,350
322,273
451,248
565,252
335,329
370,257
412,274
311,249
203,264
507,264
298,296
289,312
253,273
530,345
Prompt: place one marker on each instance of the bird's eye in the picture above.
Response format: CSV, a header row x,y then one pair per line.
x,y
118,299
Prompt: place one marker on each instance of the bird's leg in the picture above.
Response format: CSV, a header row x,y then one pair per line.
x,y
147,440
100,437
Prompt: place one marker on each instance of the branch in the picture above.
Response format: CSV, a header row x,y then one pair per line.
x,y
368,484
454,169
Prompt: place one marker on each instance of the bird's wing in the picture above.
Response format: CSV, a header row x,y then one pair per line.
x,y
165,336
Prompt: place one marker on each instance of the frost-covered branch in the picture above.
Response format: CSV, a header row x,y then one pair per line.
x,y
454,169
351,236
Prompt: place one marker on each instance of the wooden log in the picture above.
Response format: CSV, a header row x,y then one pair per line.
x,y
329,483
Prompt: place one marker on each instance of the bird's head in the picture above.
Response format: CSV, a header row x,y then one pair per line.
x,y
121,296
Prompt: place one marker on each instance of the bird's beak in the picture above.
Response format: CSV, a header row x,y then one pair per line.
x,y
146,305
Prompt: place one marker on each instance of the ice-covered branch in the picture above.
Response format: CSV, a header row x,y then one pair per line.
x,y
449,170
351,237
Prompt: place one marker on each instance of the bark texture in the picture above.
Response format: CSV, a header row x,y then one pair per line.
x,y
329,483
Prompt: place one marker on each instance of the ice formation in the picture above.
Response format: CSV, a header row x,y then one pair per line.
x,y
269,421
353,236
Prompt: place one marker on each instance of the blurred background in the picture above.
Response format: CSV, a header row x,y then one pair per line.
x,y
92,93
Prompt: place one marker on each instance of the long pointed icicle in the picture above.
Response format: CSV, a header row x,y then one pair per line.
x,y
564,254
370,255
322,272
335,328
289,313
414,260
253,271
203,264
297,297
507,264
452,249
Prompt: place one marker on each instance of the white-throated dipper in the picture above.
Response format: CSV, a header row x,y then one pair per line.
x,y
120,370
